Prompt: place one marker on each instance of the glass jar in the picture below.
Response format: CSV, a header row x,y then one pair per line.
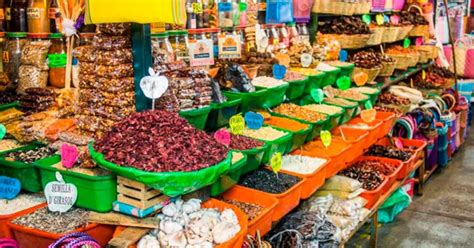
x,y
161,48
225,10
12,55
273,36
38,16
180,45
57,58
16,16
86,39
284,38
212,34
196,34
292,32
303,32
54,17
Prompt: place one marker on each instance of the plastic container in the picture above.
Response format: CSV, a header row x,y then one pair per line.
x,y
275,95
313,180
316,126
373,196
254,158
296,89
373,96
263,222
331,77
252,100
96,193
389,178
33,238
297,138
28,174
315,82
346,68
5,231
279,145
442,135
373,128
221,112
349,111
356,137
9,105
231,178
388,119
196,117
302,10
443,157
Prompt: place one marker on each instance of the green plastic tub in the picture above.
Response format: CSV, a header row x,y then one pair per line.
x,y
361,104
274,146
251,100
96,193
316,127
275,96
254,158
333,119
196,117
315,82
348,111
296,89
226,181
28,174
221,113
9,105
346,69
373,96
298,138
331,77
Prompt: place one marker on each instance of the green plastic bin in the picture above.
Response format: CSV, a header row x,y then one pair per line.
x,y
274,146
221,113
331,77
298,138
9,105
254,158
27,174
196,117
361,104
333,119
316,127
296,89
231,178
373,97
314,82
346,69
251,100
96,193
348,111
275,95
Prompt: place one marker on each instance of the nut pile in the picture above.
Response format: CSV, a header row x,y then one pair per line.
x,y
21,202
413,17
30,156
324,109
389,152
390,98
383,168
298,112
250,209
268,181
293,76
159,141
366,59
263,60
369,178
241,143
340,102
349,94
264,133
343,25
54,222
8,96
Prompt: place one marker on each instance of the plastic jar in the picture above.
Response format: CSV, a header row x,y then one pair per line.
x,y
16,16
273,36
225,10
284,37
196,34
86,39
12,54
161,48
57,58
292,32
54,17
180,45
38,16
212,33
303,32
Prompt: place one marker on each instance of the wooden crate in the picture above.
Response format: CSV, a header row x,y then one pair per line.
x,y
138,194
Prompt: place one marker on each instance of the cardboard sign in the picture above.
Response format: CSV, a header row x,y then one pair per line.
x,y
276,161
223,137
343,55
306,60
326,138
201,52
69,155
3,131
237,124
60,195
343,83
317,95
229,46
9,187
153,86
279,71
253,120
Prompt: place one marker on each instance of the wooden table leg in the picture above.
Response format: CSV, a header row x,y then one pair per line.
x,y
374,230
421,178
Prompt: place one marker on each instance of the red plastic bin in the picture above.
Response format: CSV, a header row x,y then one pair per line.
x,y
389,178
34,238
263,222
388,119
5,231
373,196
313,181
419,150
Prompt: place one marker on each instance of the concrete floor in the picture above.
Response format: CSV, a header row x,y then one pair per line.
x,y
444,215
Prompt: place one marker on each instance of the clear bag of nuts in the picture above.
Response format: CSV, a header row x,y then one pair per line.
x,y
31,77
85,53
110,85
109,43
35,53
115,28
114,57
115,71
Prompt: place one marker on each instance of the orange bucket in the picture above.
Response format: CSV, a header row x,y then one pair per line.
x,y
263,222
389,178
313,181
5,231
34,238
388,119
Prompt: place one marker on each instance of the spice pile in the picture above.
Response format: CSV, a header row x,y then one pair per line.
x,y
8,144
267,181
250,209
30,156
301,164
285,123
366,90
242,143
383,168
349,94
159,141
389,152
21,202
293,76
324,109
298,112
316,148
264,133
339,102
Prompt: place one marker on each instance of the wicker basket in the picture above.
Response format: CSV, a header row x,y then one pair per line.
x,y
390,34
402,61
431,50
420,30
371,73
366,6
376,36
348,8
403,32
326,7
424,56
413,59
387,69
348,41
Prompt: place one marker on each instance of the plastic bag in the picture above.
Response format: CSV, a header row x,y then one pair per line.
x,y
341,183
115,71
31,77
85,53
109,43
235,74
217,96
115,57
112,85
115,28
279,11
393,206
35,53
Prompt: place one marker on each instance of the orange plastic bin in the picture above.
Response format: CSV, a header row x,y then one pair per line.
x,y
5,231
389,178
373,196
313,181
263,222
388,119
356,137
373,128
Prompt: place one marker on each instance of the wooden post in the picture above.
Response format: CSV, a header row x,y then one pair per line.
x,y
142,60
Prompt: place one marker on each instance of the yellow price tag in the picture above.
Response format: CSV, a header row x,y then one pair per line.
x,y
326,138
275,162
197,8
237,124
411,83
379,19
423,74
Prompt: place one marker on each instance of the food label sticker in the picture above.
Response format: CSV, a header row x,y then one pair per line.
x,y
368,104
279,71
60,195
153,86
306,60
398,143
423,74
197,8
276,161
223,137
379,19
368,115
395,19
406,43
317,95
253,120
326,138
237,124
58,60
69,155
3,131
419,41
343,55
9,187
343,83
366,18
201,53
360,78
229,47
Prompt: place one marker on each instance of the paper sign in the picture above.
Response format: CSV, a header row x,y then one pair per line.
x,y
368,104
60,195
9,187
343,83
275,162
153,86
201,52
237,124
343,55
306,60
419,41
379,19
229,46
406,43
3,131
366,18
360,78
69,155
253,120
317,95
279,71
423,74
326,138
398,143
368,115
223,137
395,19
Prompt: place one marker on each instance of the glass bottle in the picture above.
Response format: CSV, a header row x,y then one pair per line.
x,y
11,55
54,17
57,58
292,33
38,16
303,32
284,38
18,16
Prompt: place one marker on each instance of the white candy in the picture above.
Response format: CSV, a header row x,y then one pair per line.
x,y
301,164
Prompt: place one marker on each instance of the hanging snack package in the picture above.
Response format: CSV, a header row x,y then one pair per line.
x,y
35,53
114,57
85,53
31,77
123,29
109,43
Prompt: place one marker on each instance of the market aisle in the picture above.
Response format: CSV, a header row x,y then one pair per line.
x,y
444,215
